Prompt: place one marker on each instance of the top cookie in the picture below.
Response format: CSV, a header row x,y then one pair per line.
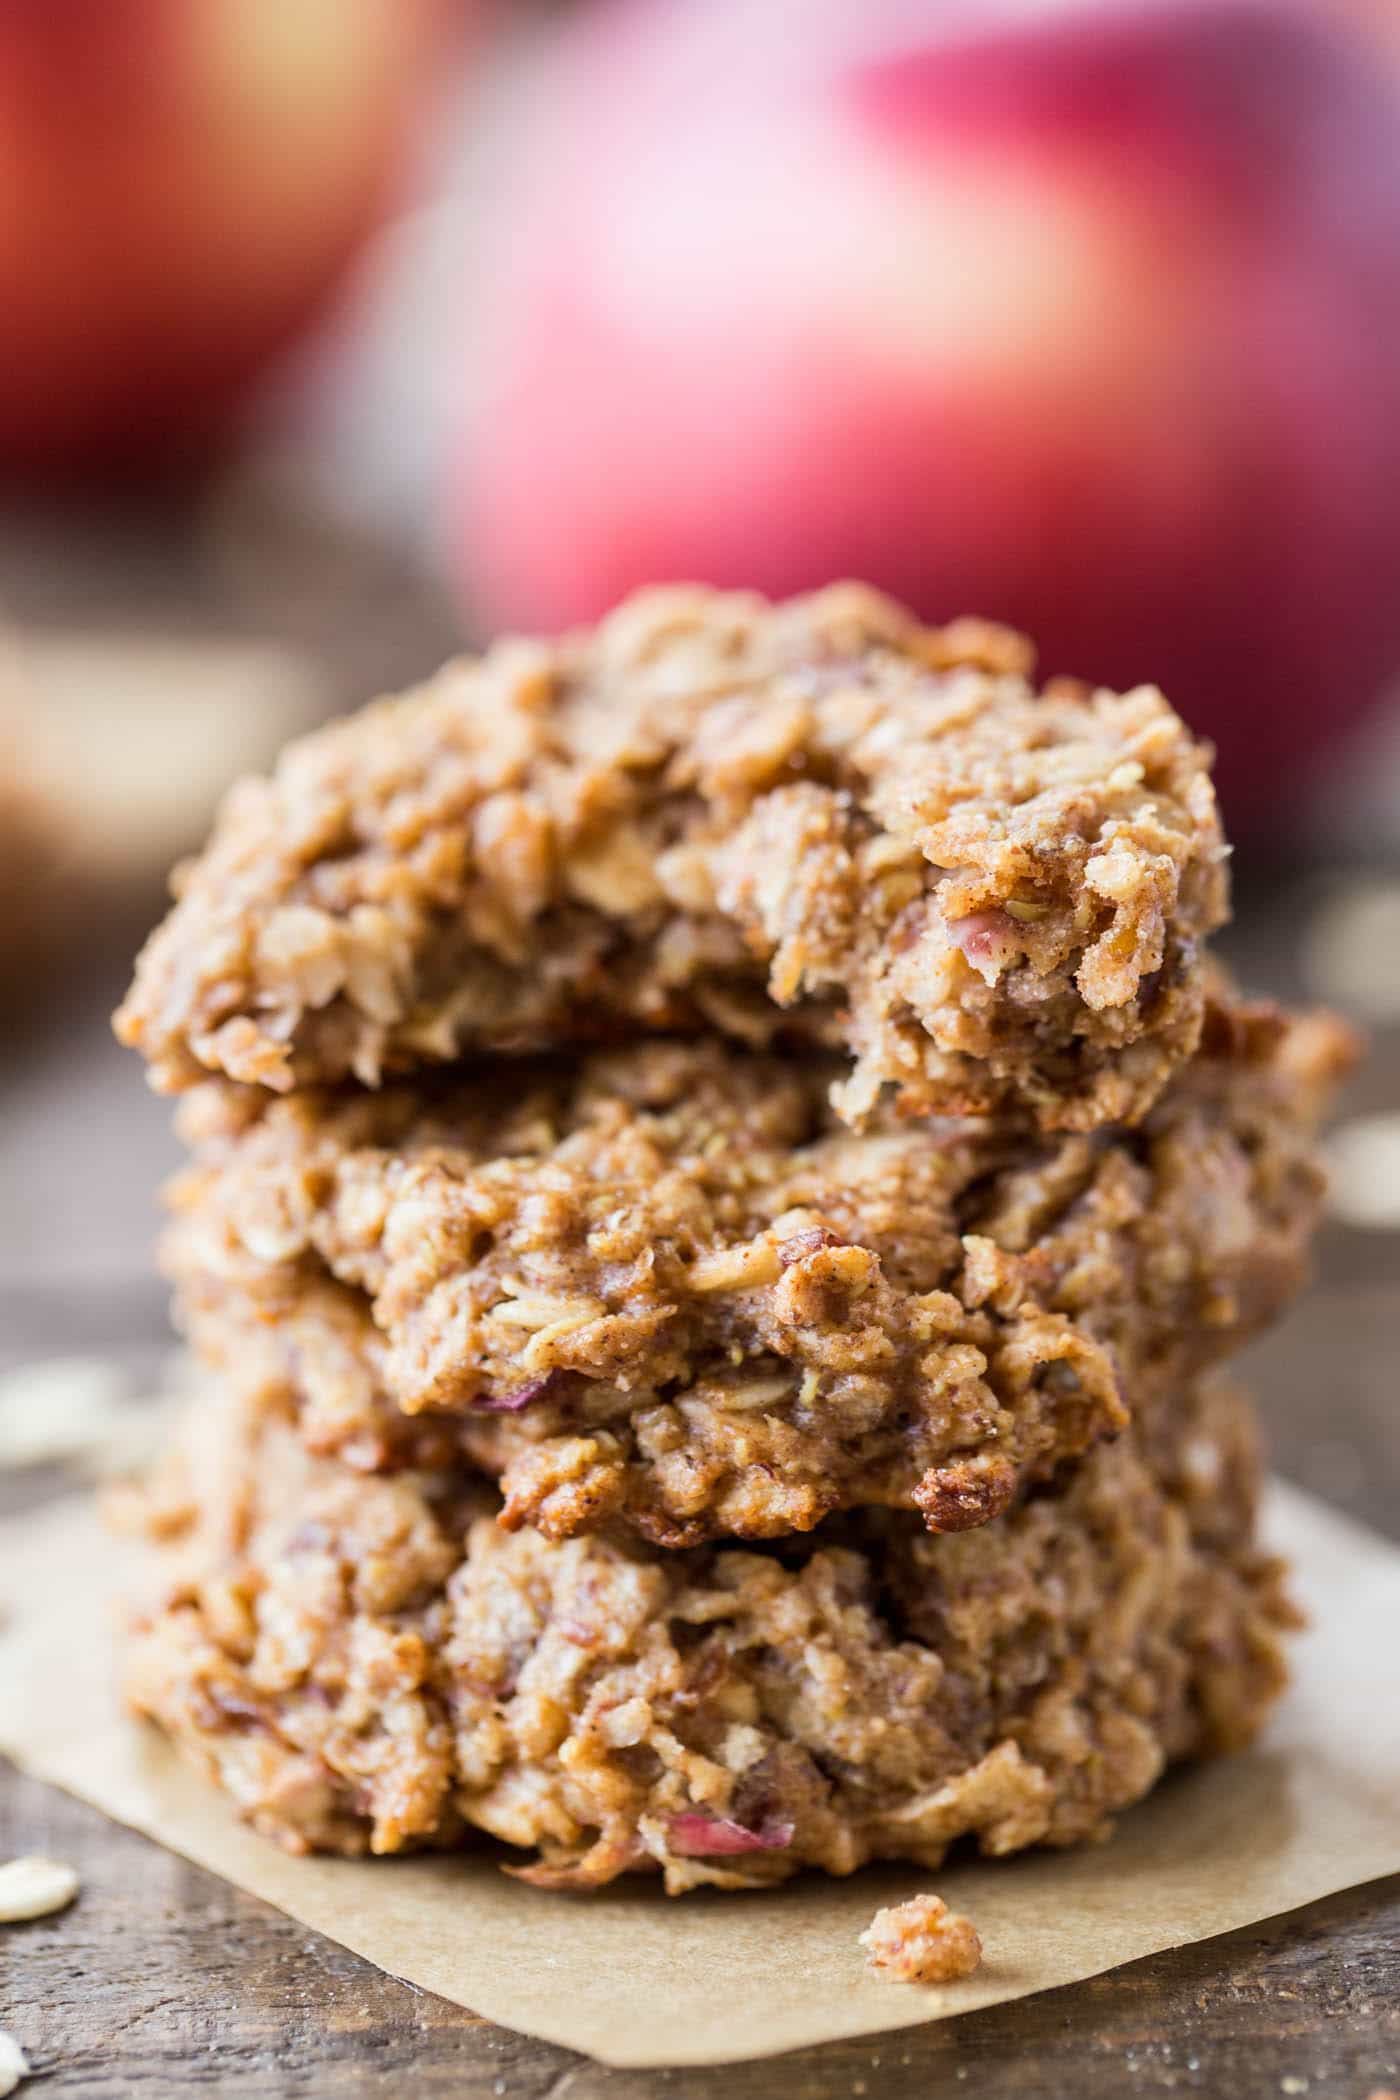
x,y
816,822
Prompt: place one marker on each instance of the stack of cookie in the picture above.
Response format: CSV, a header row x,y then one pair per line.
x,y
721,1179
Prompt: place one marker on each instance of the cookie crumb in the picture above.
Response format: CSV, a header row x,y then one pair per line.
x,y
14,2064
922,1941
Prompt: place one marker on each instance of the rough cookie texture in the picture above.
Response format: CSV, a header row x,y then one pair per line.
x,y
372,1663
667,1285
815,821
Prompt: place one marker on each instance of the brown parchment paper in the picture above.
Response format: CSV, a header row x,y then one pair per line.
x,y
633,1978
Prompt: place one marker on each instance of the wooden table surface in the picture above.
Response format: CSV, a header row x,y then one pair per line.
x,y
163,1981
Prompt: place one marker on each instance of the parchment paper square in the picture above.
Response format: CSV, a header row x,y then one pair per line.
x,y
632,1978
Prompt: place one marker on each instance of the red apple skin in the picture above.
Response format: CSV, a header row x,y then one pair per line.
x,y
1090,322
1377,19
185,184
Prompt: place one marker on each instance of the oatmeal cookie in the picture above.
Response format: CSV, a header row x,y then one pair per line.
x,y
367,1664
668,1286
816,822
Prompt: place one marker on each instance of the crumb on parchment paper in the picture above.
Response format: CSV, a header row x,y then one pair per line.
x,y
922,1941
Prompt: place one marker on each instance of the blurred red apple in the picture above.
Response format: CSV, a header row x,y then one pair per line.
x,y
184,183
1378,19
1087,318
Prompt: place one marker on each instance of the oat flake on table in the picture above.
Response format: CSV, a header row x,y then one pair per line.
x,y
14,2064
32,1887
